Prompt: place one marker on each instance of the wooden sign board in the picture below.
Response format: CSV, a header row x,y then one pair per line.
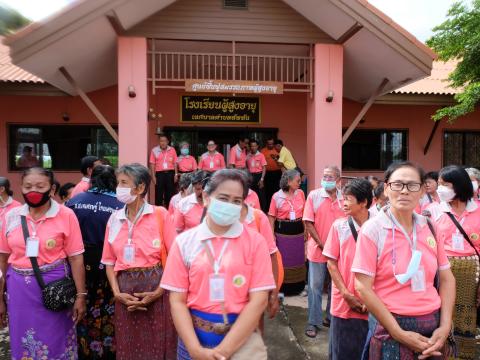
x,y
234,87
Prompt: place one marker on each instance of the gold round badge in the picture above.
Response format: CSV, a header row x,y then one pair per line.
x,y
156,243
474,236
51,243
431,242
239,280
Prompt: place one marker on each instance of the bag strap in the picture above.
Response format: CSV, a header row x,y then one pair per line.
x,y
352,228
33,260
163,250
459,227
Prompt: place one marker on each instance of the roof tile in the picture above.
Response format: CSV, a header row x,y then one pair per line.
x,y
10,72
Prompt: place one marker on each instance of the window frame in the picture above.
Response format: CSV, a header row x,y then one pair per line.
x,y
463,132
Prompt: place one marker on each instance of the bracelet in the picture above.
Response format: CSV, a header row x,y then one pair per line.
x,y
81,294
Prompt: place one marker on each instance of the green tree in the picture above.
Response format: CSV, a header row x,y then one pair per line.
x,y
11,20
458,38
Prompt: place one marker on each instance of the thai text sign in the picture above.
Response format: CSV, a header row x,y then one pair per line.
x,y
220,109
234,87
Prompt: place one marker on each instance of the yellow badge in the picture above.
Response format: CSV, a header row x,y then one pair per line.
x,y
431,242
51,243
239,280
474,236
156,243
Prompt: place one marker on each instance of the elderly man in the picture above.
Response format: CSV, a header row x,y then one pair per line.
x,y
285,158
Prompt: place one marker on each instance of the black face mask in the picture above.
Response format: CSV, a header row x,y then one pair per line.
x,y
36,199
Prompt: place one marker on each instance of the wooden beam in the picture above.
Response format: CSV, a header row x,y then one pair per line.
x,y
89,104
364,110
430,138
347,35
115,23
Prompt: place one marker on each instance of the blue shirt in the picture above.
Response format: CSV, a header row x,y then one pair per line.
x,y
93,211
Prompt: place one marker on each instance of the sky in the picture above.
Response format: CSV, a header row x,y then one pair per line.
x,y
417,16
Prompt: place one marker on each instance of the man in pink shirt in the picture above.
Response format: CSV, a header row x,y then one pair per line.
x,y
323,207
257,166
238,154
86,167
349,314
164,169
211,160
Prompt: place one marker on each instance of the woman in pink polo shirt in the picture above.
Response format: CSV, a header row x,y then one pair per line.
x,y
134,252
184,189
211,160
459,214
349,315
55,241
396,260
219,275
186,163
285,215
7,202
188,213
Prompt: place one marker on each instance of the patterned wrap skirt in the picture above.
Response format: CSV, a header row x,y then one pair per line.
x,y
347,338
144,334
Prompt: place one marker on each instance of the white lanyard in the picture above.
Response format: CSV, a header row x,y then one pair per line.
x,y
132,225
216,263
34,227
412,242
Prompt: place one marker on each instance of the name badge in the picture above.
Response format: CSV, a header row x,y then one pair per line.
x,y
457,241
33,244
253,163
165,165
217,287
211,164
129,253
418,281
293,216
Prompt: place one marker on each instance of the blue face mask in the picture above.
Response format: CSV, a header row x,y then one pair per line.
x,y
412,268
223,213
329,185
184,151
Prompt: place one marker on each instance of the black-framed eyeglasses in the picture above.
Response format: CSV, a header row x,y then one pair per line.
x,y
399,186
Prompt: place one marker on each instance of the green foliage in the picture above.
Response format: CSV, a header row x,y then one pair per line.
x,y
11,20
458,38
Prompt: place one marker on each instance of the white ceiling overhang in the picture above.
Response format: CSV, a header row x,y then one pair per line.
x,y
82,39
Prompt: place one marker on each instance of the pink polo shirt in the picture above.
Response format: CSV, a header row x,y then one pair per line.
x,y
425,202
188,213
245,265
163,159
58,233
237,157
258,221
282,204
470,221
146,238
322,212
174,203
186,163
373,257
81,187
340,246
211,163
5,208
252,199
256,162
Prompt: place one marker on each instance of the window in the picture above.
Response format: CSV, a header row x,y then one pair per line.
x,y
235,4
461,148
58,147
374,149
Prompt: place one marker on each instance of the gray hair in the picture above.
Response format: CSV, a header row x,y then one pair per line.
x,y
138,173
183,143
473,172
288,176
335,169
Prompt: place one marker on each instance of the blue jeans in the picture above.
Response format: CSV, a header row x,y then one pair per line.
x,y
317,274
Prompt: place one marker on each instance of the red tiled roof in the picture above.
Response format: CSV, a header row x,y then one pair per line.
x,y
10,72
435,84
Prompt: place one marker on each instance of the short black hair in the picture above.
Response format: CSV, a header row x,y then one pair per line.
x,y
403,164
278,142
198,177
57,186
39,170
63,190
432,175
163,135
361,189
378,191
86,163
253,141
4,182
104,179
458,177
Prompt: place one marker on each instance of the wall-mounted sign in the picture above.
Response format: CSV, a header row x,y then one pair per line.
x,y
234,87
220,109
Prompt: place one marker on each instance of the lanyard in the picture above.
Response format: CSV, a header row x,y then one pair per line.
x,y
412,242
132,225
164,153
34,227
216,263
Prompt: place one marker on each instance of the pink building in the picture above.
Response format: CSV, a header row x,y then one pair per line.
x,y
315,73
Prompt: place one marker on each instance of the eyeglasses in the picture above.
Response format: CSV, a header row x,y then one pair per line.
x,y
399,186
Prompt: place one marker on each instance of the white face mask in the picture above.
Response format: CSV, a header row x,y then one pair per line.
x,y
124,195
475,186
445,193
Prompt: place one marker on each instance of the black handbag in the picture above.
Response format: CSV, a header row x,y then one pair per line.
x,y
57,295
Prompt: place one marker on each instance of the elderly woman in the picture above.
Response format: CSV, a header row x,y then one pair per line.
x,y
285,215
188,213
398,255
186,163
54,240
93,209
7,202
475,177
184,189
458,221
134,252
219,274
